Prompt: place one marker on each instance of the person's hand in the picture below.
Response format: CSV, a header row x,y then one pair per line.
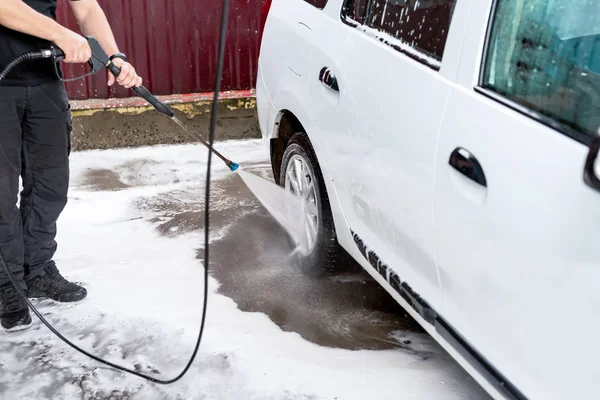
x,y
75,47
127,78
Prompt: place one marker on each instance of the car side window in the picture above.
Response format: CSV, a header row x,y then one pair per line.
x,y
320,4
356,10
416,27
545,55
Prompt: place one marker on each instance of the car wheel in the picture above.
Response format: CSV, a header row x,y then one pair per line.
x,y
301,175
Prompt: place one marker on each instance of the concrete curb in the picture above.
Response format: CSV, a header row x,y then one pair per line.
x,y
114,123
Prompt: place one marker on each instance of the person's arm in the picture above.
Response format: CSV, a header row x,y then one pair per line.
x,y
93,22
18,16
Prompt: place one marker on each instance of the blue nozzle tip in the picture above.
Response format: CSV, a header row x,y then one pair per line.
x,y
233,166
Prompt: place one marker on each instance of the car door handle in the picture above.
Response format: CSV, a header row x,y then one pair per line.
x,y
590,175
464,162
328,79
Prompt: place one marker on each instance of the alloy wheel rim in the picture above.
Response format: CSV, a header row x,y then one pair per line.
x,y
300,180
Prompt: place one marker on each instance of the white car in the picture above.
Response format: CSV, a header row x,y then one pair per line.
x,y
449,146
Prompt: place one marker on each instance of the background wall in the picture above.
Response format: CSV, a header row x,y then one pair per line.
x,y
173,45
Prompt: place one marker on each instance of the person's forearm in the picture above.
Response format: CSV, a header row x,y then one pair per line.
x,y
18,16
94,23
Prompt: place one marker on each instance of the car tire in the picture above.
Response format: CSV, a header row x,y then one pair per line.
x,y
325,254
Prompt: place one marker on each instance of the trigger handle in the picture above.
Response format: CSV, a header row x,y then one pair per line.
x,y
144,93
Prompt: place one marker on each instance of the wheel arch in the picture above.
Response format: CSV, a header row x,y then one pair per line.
x,y
286,125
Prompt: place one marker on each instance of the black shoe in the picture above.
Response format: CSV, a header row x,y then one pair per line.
x,y
15,313
54,286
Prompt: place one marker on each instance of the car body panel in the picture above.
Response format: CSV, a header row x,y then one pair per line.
x,y
287,90
498,266
515,262
362,132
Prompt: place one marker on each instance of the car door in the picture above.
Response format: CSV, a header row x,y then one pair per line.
x,y
517,228
379,82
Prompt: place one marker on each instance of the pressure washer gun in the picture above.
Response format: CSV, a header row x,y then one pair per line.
x,y
97,63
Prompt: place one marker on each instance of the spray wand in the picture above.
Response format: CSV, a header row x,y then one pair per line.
x,y
97,63
165,110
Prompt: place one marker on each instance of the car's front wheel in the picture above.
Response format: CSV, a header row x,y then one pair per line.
x,y
300,174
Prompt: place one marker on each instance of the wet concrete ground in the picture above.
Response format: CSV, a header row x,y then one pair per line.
x,y
345,310
112,129
249,259
142,210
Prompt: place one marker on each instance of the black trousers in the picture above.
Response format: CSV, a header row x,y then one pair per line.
x,y
35,143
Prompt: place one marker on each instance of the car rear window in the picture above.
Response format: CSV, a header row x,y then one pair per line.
x,y
409,25
546,56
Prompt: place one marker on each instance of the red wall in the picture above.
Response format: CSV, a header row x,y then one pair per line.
x,y
173,45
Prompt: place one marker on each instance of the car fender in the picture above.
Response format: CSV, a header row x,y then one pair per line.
x,y
289,101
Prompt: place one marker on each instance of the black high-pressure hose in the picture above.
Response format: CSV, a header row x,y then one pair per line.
x,y
213,123
38,55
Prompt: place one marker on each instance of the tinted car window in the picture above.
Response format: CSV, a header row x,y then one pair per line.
x,y
317,3
545,55
356,10
421,24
